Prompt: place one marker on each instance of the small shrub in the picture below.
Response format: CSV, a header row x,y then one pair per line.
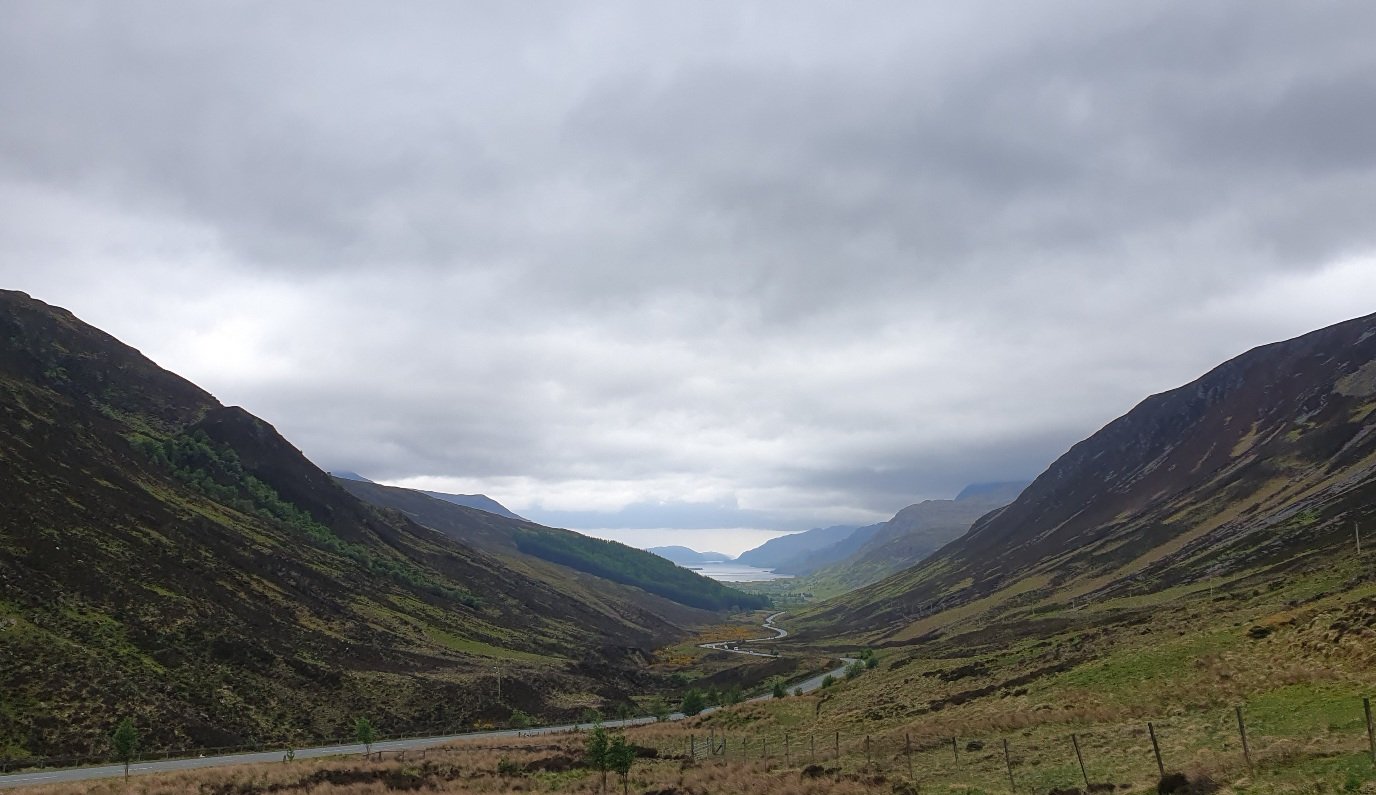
x,y
125,742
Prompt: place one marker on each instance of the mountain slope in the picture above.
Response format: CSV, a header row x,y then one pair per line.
x,y
782,550
1258,468
169,558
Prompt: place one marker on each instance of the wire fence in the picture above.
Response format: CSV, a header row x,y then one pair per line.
x,y
1097,759
1032,759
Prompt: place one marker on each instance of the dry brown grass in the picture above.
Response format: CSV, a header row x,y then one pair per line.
x,y
525,765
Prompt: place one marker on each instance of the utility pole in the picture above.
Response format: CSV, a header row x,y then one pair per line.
x,y
498,669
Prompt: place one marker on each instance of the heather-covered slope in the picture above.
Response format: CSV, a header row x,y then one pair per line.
x,y
1259,467
168,558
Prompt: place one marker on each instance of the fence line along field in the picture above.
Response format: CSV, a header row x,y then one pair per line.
x,y
1193,752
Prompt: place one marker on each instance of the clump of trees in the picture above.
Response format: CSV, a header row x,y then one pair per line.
x,y
609,753
694,701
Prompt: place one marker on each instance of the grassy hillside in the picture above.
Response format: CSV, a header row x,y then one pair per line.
x,y
1297,654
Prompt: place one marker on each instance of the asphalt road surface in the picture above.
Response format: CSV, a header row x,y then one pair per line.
x,y
33,778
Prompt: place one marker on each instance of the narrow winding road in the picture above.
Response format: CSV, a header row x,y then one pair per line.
x,y
807,685
34,778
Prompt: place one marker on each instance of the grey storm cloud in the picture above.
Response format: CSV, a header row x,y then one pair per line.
x,y
740,264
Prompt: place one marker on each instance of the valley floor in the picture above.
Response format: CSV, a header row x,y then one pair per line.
x,y
1070,699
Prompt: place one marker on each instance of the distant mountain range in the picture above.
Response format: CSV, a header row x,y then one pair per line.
x,y
913,534
684,556
843,557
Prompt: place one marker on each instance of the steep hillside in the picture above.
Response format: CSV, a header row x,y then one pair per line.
x,y
783,550
169,558
1258,469
911,536
556,555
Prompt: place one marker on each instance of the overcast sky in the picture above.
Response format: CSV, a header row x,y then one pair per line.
x,y
734,267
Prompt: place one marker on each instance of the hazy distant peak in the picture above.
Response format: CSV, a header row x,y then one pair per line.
x,y
344,474
1009,489
685,555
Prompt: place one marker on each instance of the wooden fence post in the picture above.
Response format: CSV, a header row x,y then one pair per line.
x,y
1242,731
836,745
1370,732
1156,749
954,752
1008,763
787,756
867,750
764,750
812,747
908,752
692,746
1075,741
